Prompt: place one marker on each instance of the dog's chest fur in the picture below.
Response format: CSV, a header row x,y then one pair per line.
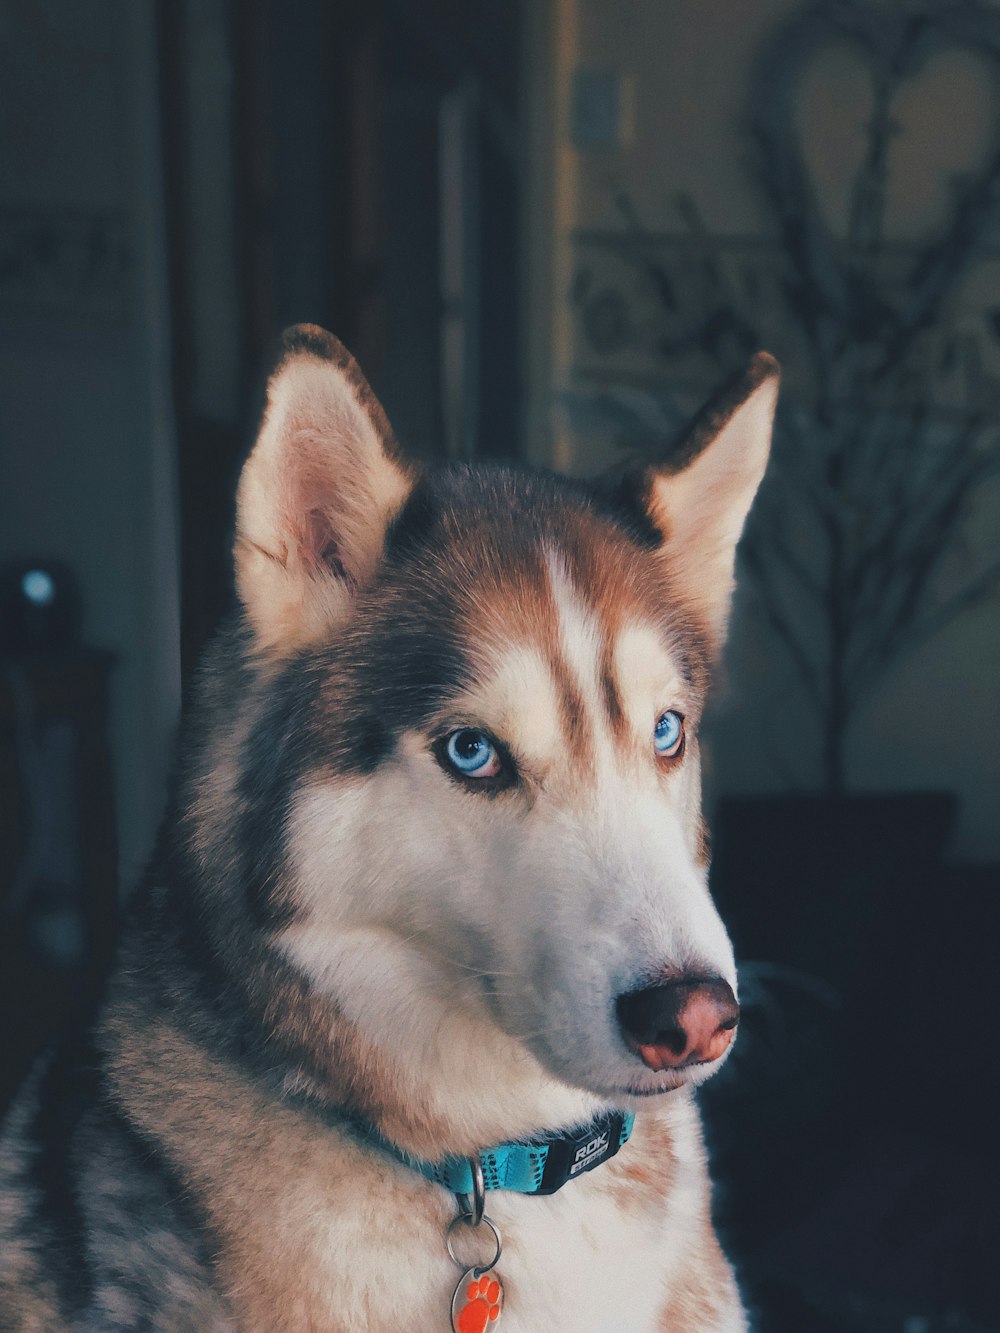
x,y
358,1242
586,1261
598,1257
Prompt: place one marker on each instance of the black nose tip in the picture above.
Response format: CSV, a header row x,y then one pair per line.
x,y
684,1022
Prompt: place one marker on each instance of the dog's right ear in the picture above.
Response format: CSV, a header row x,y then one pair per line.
x,y
315,498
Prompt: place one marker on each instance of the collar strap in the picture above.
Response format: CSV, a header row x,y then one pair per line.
x,y
539,1166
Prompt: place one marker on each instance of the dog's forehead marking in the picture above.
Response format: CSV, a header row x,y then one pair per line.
x,y
520,701
647,675
575,649
568,668
623,669
590,683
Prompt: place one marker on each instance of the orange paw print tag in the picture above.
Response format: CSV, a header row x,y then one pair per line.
x,y
477,1302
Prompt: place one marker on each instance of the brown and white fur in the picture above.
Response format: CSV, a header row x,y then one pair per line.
x,y
336,926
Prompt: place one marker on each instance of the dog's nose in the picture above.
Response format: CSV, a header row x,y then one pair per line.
x,y
685,1022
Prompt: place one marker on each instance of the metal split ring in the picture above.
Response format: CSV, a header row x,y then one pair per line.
x,y
474,1204
465,1219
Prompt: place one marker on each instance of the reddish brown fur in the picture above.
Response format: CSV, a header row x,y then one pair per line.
x,y
704,1291
254,1166
642,1176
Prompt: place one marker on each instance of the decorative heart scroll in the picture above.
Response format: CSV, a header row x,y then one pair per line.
x,y
831,281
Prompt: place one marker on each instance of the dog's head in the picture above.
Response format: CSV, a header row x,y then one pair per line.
x,y
492,856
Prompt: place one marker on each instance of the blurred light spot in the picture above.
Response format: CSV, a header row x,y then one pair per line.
x,y
38,587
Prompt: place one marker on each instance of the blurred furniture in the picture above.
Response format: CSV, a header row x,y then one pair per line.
x,y
854,1129
346,163
58,852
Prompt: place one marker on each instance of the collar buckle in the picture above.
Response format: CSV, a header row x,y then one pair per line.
x,y
571,1157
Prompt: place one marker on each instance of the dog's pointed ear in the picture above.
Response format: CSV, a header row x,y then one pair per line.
x,y
700,502
315,498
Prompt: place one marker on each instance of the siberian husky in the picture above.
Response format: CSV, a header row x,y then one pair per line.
x,y
428,929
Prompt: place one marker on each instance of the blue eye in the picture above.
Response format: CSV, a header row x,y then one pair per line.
x,y
668,738
472,753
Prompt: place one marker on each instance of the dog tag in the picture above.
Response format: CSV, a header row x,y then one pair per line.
x,y
478,1301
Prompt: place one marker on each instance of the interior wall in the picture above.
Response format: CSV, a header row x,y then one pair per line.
x,y
683,72
85,418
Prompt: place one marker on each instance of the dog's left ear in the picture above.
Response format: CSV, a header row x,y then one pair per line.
x,y
315,498
700,504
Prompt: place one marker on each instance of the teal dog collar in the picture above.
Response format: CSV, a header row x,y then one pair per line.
x,y
539,1166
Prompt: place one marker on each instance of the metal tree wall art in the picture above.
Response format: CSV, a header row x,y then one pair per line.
x,y
861,543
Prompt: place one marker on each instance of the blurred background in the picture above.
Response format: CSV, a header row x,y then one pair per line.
x,y
548,230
